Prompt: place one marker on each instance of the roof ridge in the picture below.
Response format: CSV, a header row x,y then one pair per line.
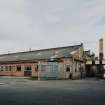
x,y
43,49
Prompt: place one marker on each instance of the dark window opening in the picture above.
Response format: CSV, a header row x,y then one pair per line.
x,y
18,68
28,68
36,69
10,68
68,69
6,68
1,68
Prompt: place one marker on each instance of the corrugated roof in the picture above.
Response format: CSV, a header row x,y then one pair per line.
x,y
39,54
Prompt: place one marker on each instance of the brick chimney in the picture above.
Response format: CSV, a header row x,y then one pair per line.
x,y
101,49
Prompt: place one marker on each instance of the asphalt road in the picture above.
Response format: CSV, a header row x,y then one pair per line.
x,y
17,91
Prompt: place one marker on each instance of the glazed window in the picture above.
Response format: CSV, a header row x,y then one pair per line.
x,y
6,68
1,68
9,68
28,68
18,68
68,69
43,68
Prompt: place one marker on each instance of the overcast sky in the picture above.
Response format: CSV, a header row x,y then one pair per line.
x,y
40,24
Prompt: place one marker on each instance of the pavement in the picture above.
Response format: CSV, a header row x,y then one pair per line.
x,y
22,91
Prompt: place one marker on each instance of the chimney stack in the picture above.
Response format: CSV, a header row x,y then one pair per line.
x,y
101,56
101,49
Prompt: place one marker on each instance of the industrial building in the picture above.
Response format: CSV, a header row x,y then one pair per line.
x,y
95,66
53,63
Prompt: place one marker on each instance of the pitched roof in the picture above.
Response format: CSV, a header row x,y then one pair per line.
x,y
50,53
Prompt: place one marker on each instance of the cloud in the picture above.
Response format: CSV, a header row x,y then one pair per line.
x,y
50,23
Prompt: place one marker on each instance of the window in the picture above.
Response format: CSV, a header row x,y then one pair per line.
x,y
68,69
28,68
76,66
36,68
43,67
6,68
18,68
1,68
9,68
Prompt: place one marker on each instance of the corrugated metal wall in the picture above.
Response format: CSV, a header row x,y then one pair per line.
x,y
51,70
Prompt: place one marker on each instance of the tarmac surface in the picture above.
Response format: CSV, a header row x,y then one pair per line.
x,y
21,91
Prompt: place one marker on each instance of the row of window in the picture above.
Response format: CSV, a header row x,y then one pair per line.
x,y
17,68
